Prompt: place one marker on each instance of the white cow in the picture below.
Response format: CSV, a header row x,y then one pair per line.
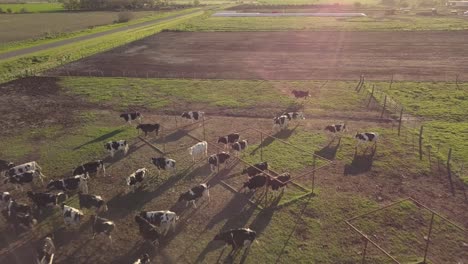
x,y
71,216
164,219
199,149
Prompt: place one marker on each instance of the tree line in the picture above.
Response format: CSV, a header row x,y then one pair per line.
x,y
112,4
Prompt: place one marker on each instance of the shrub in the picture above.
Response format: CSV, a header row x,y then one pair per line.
x,y
124,16
1,11
9,11
357,4
196,2
23,10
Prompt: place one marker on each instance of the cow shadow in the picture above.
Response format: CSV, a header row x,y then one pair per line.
x,y
329,151
139,248
361,163
268,140
101,138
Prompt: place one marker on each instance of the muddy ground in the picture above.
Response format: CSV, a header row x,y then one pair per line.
x,y
418,56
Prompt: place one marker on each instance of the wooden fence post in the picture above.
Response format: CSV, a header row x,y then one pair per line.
x,y
428,238
384,105
391,82
364,252
449,171
261,146
371,96
420,142
163,139
313,174
203,123
399,123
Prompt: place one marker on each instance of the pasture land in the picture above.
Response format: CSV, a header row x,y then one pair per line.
x,y
370,23
284,55
33,7
67,126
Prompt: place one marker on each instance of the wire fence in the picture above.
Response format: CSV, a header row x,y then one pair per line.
x,y
441,157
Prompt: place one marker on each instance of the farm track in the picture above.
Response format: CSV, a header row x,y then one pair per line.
x,y
26,51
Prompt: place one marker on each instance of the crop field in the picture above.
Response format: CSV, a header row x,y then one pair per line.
x,y
284,55
72,119
33,7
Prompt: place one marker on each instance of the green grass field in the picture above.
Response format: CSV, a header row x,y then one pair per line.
x,y
390,23
33,7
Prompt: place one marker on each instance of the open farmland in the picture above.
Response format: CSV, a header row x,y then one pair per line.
x,y
32,7
285,55
310,229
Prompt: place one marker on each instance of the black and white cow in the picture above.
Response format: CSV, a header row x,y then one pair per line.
x,y
279,181
14,208
43,200
5,198
102,226
78,182
294,115
30,166
19,179
255,169
216,159
257,181
164,164
280,123
46,252
144,259
239,146
300,94
336,129
195,193
229,139
89,201
136,178
237,238
149,128
114,146
163,219
5,166
366,137
199,149
129,117
16,220
148,231
193,115
71,216
91,167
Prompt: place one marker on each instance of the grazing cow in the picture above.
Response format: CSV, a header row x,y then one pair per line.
x,y
229,139
70,184
195,193
5,166
30,166
89,201
45,254
128,117
280,123
193,115
144,259
17,220
239,146
102,226
20,179
256,182
114,146
294,115
136,178
216,159
5,198
199,149
366,137
237,238
279,181
147,230
71,216
336,129
91,167
43,200
18,208
163,219
148,128
300,94
164,164
255,169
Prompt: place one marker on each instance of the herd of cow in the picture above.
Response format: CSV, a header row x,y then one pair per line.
x,y
152,225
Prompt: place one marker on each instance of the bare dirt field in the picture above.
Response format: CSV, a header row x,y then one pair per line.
x,y
310,229
285,55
